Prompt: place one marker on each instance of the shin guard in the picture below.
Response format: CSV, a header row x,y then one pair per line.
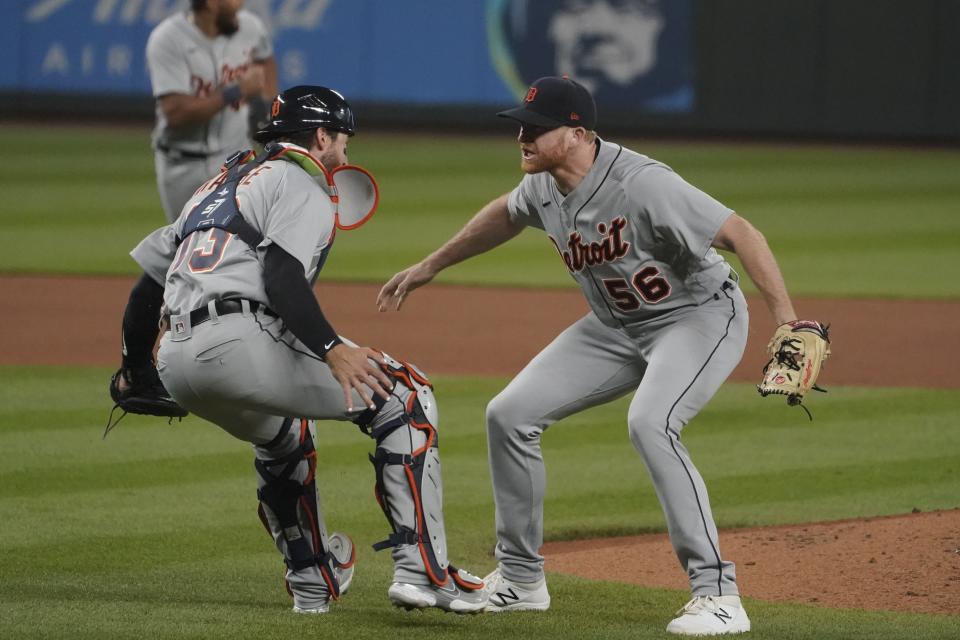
x,y
289,509
409,487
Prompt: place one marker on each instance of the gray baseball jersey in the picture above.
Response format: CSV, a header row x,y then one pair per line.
x,y
183,60
668,324
633,234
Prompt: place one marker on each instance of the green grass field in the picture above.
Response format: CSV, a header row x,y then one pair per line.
x,y
152,532
843,221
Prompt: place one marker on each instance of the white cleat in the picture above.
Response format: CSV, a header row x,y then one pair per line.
x,y
313,610
506,595
449,597
710,616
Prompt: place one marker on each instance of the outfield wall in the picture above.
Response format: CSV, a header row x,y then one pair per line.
x,y
857,68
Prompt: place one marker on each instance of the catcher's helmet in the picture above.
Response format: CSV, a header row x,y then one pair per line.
x,y
307,107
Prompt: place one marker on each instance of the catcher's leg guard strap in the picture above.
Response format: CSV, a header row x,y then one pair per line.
x,y
409,488
401,534
288,509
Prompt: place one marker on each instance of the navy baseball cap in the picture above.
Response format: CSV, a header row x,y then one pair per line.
x,y
555,102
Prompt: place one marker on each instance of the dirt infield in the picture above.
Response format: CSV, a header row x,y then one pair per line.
x,y
909,563
489,331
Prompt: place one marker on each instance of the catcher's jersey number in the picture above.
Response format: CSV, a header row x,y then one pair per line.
x,y
205,249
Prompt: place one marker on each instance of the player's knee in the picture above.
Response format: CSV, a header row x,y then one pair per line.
x,y
507,419
284,442
645,431
410,399
499,411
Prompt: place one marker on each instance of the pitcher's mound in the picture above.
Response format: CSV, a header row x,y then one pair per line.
x,y
900,563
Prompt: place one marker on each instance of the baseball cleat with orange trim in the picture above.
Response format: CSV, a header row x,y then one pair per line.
x,y
455,595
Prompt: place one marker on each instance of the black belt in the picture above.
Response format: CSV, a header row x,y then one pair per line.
x,y
195,155
732,279
226,307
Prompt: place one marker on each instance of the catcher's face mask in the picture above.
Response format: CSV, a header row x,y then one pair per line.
x,y
352,189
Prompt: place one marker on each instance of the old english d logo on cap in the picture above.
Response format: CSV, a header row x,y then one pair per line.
x,y
554,101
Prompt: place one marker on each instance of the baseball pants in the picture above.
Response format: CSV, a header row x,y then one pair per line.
x,y
673,365
179,177
243,373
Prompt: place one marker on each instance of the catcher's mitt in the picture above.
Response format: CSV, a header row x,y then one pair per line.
x,y
798,349
140,391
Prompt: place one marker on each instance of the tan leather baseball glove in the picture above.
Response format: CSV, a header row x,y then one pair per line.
x,y
798,350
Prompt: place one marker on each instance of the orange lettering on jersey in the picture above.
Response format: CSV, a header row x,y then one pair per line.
x,y
531,94
212,183
580,254
275,108
218,181
247,178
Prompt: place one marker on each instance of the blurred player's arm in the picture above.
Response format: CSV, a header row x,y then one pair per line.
x,y
269,66
742,238
490,228
259,105
181,109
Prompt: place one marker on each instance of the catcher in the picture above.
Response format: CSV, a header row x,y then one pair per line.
x,y
798,350
247,347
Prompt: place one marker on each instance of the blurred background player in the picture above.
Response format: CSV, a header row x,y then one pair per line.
x,y
212,71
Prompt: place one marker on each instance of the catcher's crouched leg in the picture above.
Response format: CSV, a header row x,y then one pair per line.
x,y
319,568
409,489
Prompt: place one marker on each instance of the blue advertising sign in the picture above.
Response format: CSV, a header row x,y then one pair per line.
x,y
630,53
634,54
